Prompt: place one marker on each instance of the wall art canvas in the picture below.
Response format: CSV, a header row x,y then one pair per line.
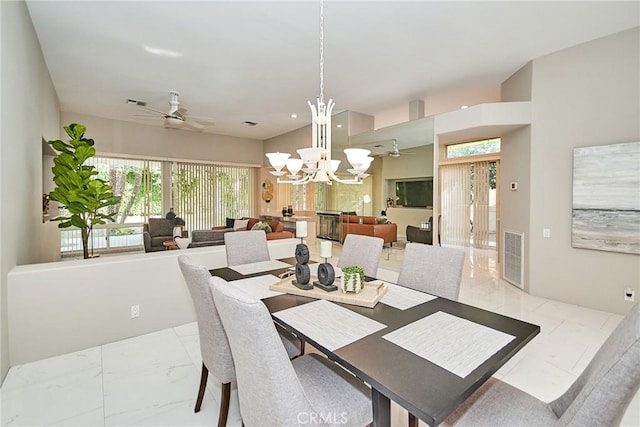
x,y
606,198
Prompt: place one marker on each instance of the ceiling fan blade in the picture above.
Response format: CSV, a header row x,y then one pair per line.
x,y
153,110
202,120
146,116
193,125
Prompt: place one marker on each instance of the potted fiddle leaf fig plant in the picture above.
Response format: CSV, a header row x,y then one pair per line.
x,y
80,193
352,279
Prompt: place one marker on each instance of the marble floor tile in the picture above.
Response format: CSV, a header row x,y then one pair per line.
x,y
60,391
147,376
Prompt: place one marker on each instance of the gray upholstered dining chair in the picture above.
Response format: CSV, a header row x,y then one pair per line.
x,y
214,347
599,397
274,391
364,251
432,269
244,247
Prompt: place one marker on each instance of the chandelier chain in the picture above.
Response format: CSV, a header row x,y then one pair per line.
x,y
322,50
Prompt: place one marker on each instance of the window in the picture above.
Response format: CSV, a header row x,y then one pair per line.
x,y
139,184
205,194
202,194
487,146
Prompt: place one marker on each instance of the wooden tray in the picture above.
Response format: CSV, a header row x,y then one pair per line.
x,y
367,297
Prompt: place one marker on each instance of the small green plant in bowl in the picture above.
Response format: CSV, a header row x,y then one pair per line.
x,y
352,279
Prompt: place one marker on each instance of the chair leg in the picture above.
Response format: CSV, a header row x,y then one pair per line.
x,y
203,386
413,421
225,398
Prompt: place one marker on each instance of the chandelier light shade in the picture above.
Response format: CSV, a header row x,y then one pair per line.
x,y
315,162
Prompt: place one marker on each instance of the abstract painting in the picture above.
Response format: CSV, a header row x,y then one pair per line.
x,y
606,198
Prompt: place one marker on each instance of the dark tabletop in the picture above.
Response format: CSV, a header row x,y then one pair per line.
x,y
426,390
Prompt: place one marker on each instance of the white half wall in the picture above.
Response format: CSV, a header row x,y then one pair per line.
x,y
57,308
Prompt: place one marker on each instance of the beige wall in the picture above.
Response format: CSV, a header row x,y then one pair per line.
x,y
515,167
29,111
582,96
57,308
134,139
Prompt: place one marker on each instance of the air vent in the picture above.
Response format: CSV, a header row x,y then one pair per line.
x,y
136,102
513,251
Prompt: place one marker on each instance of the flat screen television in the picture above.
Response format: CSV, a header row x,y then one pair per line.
x,y
415,194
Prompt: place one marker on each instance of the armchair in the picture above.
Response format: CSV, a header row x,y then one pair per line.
x,y
157,231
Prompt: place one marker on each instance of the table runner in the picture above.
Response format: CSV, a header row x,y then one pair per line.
x,y
258,286
403,298
258,267
329,324
455,344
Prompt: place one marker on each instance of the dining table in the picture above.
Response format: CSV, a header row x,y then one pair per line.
x,y
426,353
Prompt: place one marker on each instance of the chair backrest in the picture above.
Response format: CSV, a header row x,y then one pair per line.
x,y
364,251
269,391
244,247
214,347
605,388
160,227
432,269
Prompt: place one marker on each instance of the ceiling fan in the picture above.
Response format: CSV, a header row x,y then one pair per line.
x,y
175,118
394,152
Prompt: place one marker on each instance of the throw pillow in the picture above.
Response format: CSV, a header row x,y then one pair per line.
x,y
266,227
257,226
230,222
240,224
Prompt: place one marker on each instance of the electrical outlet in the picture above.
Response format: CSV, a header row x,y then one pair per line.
x,y
135,311
629,295
546,232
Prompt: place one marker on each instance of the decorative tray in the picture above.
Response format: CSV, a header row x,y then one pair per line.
x,y
367,297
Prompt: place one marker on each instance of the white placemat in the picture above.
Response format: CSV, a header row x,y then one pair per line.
x,y
403,298
258,286
258,267
313,268
329,324
455,344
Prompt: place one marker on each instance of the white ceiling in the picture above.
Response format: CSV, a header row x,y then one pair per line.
x,y
259,61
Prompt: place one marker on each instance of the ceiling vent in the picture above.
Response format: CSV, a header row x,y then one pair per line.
x,y
136,102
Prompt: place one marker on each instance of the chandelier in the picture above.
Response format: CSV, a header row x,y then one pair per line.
x,y
315,162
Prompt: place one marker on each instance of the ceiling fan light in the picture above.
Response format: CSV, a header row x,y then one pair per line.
x,y
278,160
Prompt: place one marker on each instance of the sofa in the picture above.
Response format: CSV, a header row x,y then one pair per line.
x,y
368,226
215,236
156,232
200,238
277,228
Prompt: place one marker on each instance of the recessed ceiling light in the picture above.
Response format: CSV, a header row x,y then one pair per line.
x,y
464,106
162,52
248,123
293,116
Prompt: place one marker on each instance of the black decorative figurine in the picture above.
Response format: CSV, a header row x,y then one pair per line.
x,y
326,277
303,274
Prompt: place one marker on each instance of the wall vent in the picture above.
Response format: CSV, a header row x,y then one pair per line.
x,y
513,266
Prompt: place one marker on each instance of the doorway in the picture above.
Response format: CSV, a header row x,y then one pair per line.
x,y
469,199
